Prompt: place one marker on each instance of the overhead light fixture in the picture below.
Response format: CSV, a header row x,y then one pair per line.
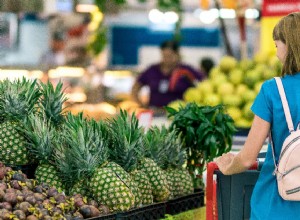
x,y
85,6
209,16
158,17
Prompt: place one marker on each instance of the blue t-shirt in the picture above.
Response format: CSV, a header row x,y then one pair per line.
x,y
266,203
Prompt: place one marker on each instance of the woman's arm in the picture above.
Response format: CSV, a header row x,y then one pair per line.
x,y
135,92
231,164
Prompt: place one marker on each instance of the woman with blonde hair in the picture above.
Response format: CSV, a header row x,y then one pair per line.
x,y
266,203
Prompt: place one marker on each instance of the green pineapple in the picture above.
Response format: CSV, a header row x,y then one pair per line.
x,y
42,133
52,101
18,99
83,161
41,136
165,148
126,150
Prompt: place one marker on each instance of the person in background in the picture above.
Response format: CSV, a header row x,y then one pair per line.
x,y
168,79
206,64
266,203
55,56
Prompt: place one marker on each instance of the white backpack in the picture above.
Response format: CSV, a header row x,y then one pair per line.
x,y
287,170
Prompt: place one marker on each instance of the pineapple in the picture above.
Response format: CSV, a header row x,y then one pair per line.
x,y
126,150
42,133
41,136
83,161
52,102
166,149
18,99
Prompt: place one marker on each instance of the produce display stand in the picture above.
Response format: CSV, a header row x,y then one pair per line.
x,y
158,211
185,203
150,212
228,197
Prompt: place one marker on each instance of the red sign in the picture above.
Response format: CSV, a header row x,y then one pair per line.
x,y
280,7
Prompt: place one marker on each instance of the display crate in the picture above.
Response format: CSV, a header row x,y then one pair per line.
x,y
185,203
150,212
105,217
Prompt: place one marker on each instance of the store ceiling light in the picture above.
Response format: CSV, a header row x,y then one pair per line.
x,y
12,74
85,6
158,17
65,71
209,16
252,13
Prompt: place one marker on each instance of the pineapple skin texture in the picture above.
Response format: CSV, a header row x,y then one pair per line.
x,y
157,179
107,188
127,180
187,181
47,173
13,149
144,186
180,182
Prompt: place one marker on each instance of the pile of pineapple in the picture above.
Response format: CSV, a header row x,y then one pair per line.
x,y
114,162
235,84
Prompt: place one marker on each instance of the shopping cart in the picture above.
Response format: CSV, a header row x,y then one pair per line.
x,y
228,197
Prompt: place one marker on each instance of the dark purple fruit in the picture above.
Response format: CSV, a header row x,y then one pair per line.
x,y
15,184
52,192
5,214
3,186
32,217
24,206
60,198
89,211
2,193
39,196
31,199
93,203
38,189
78,216
19,214
19,176
104,209
6,205
78,202
10,198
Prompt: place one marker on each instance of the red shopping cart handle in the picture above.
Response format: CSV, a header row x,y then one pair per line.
x,y
211,212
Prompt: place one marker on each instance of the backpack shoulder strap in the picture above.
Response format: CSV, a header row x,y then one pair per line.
x,y
285,104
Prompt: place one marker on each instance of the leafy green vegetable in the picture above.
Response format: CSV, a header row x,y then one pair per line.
x,y
206,131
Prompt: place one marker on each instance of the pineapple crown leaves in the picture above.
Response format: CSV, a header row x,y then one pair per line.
x,y
165,147
126,147
84,148
40,137
19,99
52,101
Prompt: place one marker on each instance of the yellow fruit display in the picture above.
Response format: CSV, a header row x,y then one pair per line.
x,y
227,63
235,84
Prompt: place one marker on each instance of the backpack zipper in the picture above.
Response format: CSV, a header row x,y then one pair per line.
x,y
287,146
290,170
292,191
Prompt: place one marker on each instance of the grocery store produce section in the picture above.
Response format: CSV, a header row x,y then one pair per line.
x,y
58,165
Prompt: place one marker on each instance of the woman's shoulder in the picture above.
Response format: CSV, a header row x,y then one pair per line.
x,y
269,84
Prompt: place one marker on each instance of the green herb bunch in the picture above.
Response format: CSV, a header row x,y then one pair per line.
x,y
206,132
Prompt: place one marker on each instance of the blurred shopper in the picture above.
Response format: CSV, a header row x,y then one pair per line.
x,y
167,80
55,56
206,64
266,203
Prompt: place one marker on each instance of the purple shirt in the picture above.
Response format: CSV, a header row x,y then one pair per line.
x,y
160,91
